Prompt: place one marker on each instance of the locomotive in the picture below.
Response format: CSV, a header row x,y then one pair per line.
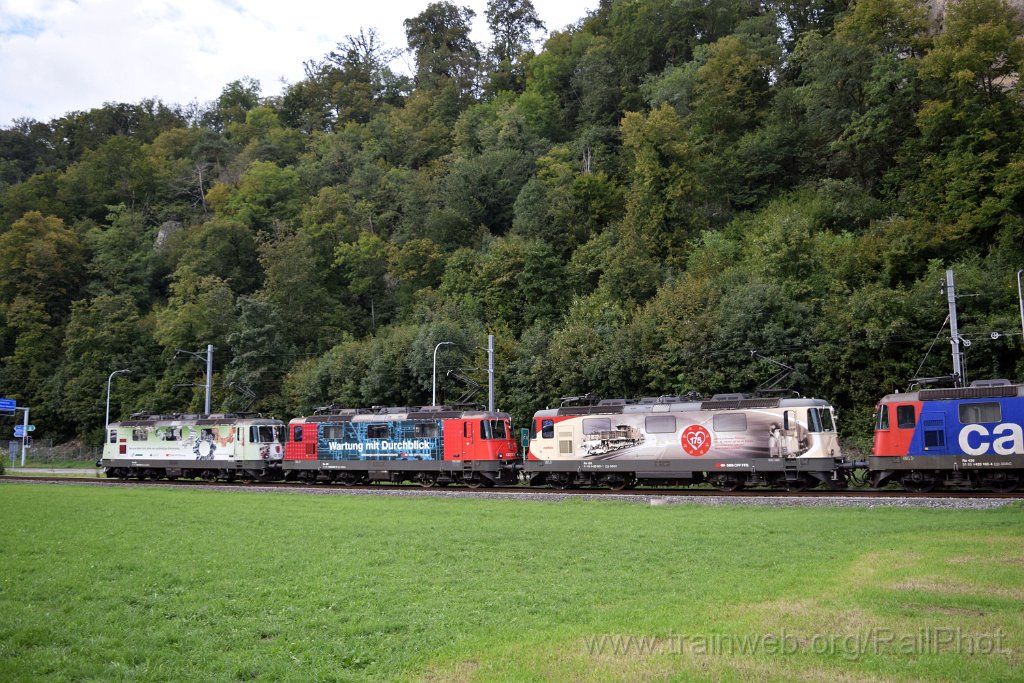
x,y
431,445
730,441
964,437
217,446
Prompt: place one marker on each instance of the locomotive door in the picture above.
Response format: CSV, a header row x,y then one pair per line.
x,y
934,433
565,436
468,439
543,445
902,433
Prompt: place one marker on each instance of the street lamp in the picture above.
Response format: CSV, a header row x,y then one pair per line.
x,y
433,393
1020,295
106,422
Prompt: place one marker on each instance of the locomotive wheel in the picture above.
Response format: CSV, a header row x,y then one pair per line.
x,y
348,478
209,475
473,481
1003,482
726,482
918,482
559,480
425,479
617,482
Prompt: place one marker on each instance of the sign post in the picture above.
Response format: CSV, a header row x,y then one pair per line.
x,y
24,434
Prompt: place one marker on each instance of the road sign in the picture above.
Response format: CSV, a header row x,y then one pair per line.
x,y
19,431
7,405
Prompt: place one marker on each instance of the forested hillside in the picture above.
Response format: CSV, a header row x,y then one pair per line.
x,y
630,208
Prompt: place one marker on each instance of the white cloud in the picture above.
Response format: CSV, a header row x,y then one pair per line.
x,y
58,56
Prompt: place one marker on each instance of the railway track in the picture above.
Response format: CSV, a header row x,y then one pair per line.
x,y
525,491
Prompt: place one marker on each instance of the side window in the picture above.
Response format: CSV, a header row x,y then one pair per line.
x,y
882,419
905,417
171,433
730,422
377,431
331,432
547,429
207,434
425,430
297,433
140,434
976,413
485,429
597,425
498,430
660,424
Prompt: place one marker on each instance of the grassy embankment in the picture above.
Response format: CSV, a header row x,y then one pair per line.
x,y
147,584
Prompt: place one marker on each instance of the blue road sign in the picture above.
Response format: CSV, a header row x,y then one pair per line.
x,y
7,405
19,431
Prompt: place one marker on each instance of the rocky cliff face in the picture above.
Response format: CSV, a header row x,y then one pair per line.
x,y
937,10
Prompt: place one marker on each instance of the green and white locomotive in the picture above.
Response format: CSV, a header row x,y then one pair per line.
x,y
218,446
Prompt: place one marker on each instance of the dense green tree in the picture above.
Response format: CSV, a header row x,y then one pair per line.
x,y
512,24
445,53
123,257
260,355
266,193
103,334
41,260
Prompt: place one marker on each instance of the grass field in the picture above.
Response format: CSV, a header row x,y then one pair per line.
x,y
174,585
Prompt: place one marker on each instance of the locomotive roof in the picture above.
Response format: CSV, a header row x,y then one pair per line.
x,y
396,414
660,405
182,419
978,389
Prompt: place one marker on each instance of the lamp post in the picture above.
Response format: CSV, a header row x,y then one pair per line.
x,y
106,421
1020,296
433,392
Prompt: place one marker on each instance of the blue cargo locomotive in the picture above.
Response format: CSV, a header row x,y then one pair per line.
x,y
960,437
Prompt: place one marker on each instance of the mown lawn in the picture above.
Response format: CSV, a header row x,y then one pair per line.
x,y
174,585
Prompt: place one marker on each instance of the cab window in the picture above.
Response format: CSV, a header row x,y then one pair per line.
x,y
882,419
547,429
493,429
297,433
262,434
905,417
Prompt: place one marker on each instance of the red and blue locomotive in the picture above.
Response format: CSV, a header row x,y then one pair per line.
x,y
964,437
432,445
